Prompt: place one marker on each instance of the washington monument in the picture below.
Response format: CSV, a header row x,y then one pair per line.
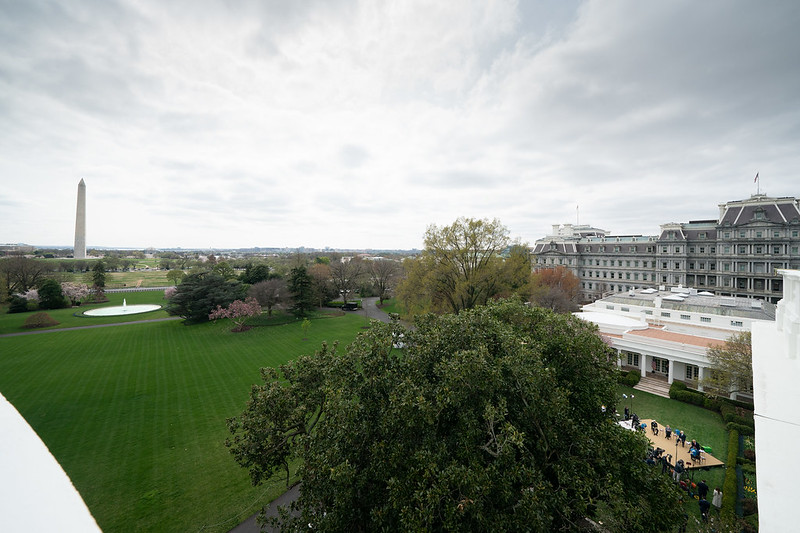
x,y
80,223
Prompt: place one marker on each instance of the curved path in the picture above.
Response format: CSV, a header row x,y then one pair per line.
x,y
90,326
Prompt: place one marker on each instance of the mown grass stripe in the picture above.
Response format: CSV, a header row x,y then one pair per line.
x,y
136,414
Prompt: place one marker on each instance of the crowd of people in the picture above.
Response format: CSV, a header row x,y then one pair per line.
x,y
679,467
677,470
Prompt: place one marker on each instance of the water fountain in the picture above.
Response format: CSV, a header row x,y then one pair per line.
x,y
124,309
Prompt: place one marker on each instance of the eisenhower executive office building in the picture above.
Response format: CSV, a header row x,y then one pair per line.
x,y
735,255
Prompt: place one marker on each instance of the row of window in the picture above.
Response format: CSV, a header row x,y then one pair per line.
x,y
760,234
692,372
634,276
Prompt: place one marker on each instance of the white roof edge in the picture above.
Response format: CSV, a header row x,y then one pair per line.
x,y
37,495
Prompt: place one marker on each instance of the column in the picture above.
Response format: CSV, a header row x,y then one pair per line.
x,y
700,374
670,373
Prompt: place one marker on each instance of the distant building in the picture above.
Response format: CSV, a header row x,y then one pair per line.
x,y
665,334
17,248
736,255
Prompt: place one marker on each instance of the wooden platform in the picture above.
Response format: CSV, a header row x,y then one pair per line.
x,y
660,441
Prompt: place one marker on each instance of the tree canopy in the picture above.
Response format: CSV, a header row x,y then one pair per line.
x,y
489,420
459,267
555,288
22,273
731,366
51,296
302,290
199,294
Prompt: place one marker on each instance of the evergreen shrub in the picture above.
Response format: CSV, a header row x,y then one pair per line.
x,y
675,388
742,429
729,486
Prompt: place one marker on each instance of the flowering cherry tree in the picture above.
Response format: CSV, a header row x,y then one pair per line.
x,y
31,295
238,311
75,292
169,292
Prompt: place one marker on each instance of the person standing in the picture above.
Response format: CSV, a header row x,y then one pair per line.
x,y
716,499
704,507
702,489
683,439
678,470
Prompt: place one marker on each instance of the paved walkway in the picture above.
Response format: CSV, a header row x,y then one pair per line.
x,y
56,330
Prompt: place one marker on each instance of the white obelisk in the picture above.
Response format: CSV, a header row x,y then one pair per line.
x,y
80,223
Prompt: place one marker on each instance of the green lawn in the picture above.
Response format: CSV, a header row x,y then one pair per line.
x,y
707,427
128,278
136,413
12,323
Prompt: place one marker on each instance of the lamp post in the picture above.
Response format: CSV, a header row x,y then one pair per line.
x,y
675,460
626,403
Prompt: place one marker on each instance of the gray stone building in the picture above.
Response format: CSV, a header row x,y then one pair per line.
x,y
735,255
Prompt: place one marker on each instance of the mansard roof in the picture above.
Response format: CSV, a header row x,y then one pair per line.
x,y
760,209
543,247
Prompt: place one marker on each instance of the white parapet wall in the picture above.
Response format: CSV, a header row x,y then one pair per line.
x,y
35,493
776,390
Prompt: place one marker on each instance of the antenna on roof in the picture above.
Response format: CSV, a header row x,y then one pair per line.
x,y
577,215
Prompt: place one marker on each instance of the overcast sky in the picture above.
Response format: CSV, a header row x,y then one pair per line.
x,y
357,124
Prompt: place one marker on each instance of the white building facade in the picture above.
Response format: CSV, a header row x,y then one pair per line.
x,y
737,254
776,371
665,333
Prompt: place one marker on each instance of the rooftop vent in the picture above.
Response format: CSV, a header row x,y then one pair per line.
x,y
728,301
756,304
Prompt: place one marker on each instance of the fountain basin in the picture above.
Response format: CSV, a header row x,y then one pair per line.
x,y
119,310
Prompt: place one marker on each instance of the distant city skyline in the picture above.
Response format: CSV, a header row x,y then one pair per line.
x,y
357,124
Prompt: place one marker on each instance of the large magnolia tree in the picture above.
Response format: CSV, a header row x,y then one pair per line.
x,y
488,420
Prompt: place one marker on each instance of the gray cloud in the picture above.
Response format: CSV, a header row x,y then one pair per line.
x,y
225,122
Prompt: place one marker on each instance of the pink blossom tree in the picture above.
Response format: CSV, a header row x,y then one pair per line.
x,y
31,295
75,292
238,311
169,292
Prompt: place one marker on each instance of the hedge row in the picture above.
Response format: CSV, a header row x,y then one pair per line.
x,y
730,414
741,429
729,488
726,407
